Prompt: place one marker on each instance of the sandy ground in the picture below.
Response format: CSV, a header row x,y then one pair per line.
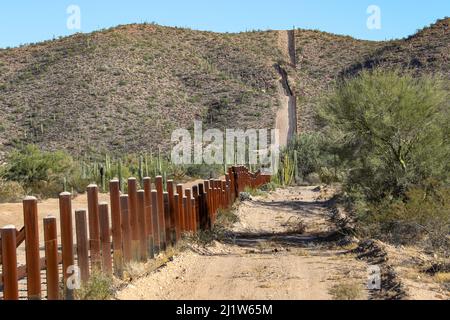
x,y
409,264
264,257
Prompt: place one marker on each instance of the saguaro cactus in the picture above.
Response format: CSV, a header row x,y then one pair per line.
x,y
140,170
119,175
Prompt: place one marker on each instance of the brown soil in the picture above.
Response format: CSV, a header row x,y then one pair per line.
x,y
267,255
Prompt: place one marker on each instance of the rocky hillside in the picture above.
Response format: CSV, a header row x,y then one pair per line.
x,y
321,57
324,58
125,89
426,51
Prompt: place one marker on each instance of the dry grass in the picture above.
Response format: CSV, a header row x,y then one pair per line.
x,y
224,221
346,290
302,252
263,246
349,247
135,270
442,277
99,287
295,225
11,191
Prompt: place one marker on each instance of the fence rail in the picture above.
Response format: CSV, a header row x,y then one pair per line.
x,y
133,227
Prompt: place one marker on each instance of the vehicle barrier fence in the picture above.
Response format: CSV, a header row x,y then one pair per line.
x,y
132,227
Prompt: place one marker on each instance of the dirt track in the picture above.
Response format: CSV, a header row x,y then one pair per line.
x,y
265,257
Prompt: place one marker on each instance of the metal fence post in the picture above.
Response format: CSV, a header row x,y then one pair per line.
x,y
185,210
177,214
94,226
51,257
126,229
168,232
142,226
196,208
65,211
30,217
9,263
132,209
173,216
181,221
105,238
114,192
161,214
202,207
188,213
148,216
82,244
155,219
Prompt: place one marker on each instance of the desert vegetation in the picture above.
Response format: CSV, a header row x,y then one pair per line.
x,y
384,136
373,117
31,171
134,85
95,93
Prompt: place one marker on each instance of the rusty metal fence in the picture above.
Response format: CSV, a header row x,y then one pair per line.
x,y
132,227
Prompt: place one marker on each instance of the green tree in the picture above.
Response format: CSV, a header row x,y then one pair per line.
x,y
390,129
41,173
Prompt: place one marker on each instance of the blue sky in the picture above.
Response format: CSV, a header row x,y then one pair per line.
x,y
25,21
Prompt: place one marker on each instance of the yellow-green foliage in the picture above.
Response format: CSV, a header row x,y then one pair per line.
x,y
39,172
285,175
423,216
254,192
346,291
46,174
99,287
10,191
390,129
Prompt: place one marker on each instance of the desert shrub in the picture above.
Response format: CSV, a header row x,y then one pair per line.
x,y
391,131
328,175
391,134
346,290
309,152
271,186
77,181
308,155
99,287
204,171
226,218
313,179
39,172
11,191
254,192
422,216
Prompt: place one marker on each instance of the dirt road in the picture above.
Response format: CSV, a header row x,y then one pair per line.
x,y
266,255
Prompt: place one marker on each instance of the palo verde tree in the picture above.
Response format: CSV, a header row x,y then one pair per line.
x,y
391,131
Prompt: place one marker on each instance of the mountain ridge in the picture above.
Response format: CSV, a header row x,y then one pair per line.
x,y
125,89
